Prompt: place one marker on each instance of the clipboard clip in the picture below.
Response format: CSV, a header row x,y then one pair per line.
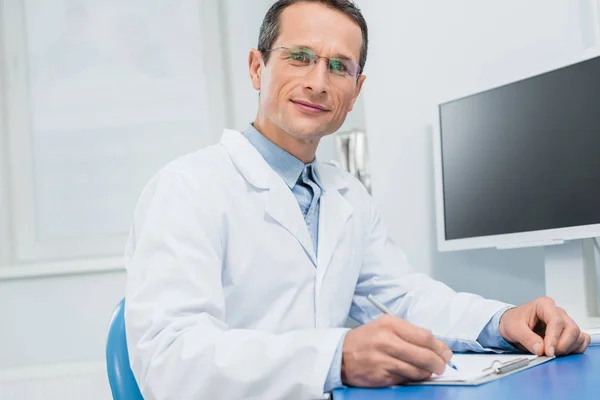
x,y
499,367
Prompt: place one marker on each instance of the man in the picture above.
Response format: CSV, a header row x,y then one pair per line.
x,y
246,258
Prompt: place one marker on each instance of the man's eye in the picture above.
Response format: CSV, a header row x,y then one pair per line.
x,y
338,66
300,56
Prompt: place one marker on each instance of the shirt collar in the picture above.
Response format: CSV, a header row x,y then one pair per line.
x,y
283,163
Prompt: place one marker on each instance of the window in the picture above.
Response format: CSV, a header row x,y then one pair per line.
x,y
99,95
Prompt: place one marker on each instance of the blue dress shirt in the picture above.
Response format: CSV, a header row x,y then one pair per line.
x,y
307,189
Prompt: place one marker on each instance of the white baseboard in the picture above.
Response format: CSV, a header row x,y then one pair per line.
x,y
72,381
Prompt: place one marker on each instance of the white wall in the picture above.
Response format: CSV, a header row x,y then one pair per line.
x,y
243,19
57,320
420,50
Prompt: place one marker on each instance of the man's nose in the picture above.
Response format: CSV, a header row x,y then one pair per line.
x,y
317,78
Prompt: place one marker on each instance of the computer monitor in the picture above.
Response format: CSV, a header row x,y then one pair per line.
x,y
519,164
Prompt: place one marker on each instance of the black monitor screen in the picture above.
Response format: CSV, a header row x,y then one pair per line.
x,y
525,156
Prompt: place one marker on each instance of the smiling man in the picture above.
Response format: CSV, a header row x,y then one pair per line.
x,y
246,258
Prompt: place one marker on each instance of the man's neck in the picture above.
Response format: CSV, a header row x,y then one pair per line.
x,y
302,149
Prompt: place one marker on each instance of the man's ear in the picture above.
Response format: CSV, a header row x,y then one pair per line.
x,y
255,67
359,84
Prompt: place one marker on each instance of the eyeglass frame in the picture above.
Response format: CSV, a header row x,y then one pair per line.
x,y
318,57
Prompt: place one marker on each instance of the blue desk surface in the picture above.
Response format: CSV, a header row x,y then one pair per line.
x,y
571,377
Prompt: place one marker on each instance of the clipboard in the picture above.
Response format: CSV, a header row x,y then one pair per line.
x,y
477,369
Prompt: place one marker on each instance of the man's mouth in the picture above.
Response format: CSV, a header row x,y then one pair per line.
x,y
310,107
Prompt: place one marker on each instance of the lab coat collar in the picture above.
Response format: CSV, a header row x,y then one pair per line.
x,y
248,160
285,164
328,177
259,174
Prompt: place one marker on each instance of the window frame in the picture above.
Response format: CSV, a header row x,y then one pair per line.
x,y
22,240
5,236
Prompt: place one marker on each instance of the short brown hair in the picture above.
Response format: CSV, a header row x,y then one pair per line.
x,y
269,30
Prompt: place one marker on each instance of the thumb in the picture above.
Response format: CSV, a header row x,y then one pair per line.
x,y
530,340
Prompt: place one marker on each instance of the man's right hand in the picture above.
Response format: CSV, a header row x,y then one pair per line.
x,y
390,351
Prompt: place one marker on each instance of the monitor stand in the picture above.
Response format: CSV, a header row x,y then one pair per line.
x,y
572,274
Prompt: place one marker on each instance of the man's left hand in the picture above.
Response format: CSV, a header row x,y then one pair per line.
x,y
542,328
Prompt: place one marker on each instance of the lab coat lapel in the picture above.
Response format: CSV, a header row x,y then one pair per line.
x,y
334,213
281,205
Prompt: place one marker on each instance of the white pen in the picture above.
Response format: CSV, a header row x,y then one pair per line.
x,y
384,310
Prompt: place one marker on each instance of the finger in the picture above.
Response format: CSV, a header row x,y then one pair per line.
x,y
555,324
406,371
586,342
420,357
554,331
569,339
530,340
421,337
578,344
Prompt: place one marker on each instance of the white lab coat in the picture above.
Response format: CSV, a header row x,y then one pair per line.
x,y
226,299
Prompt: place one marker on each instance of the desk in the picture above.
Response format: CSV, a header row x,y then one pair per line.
x,y
564,378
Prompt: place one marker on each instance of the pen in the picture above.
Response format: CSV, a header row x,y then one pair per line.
x,y
384,310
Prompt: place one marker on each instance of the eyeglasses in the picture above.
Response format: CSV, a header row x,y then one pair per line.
x,y
304,57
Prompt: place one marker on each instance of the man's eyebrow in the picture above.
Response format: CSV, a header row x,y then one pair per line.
x,y
339,56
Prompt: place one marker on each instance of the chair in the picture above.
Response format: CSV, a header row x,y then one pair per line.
x,y
122,382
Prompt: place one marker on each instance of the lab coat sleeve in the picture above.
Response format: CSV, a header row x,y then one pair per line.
x,y
456,318
179,345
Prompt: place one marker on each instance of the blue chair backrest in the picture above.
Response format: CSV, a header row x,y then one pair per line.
x,y
122,382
